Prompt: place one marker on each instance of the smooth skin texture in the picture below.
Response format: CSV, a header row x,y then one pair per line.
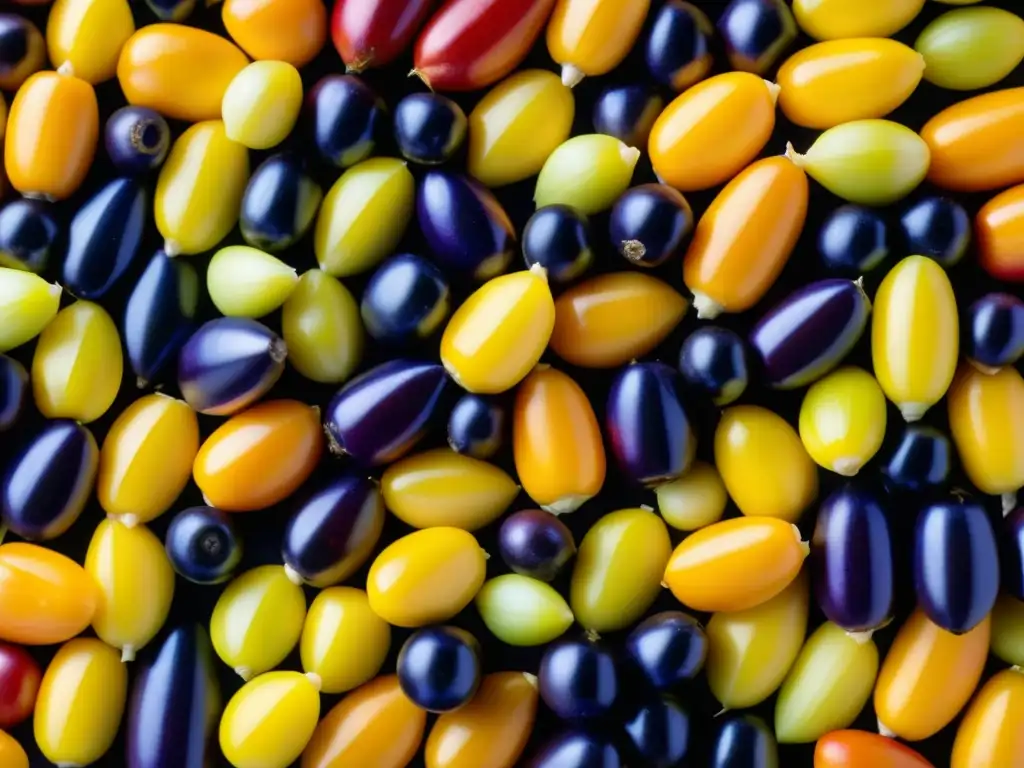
x,y
695,500
1008,630
587,172
836,19
266,29
321,325
246,282
522,611
971,48
11,753
852,749
992,731
262,103
27,305
592,37
84,38
999,234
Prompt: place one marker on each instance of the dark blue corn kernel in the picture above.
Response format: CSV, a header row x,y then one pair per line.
x,y
280,203
627,112
679,46
28,235
429,128
756,33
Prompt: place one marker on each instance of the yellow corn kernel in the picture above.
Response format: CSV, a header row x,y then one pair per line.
x,y
443,488
915,335
835,19
343,641
842,420
11,753
712,131
77,366
735,564
85,37
246,282
750,652
257,620
586,172
986,418
426,577
928,676
182,72
842,80
828,686
199,191
269,721
619,568
51,135
27,305
608,320
517,125
136,585
559,453
321,325
363,216
262,103
745,237
592,37
80,703
522,611
992,731
695,500
146,459
763,464
499,333
1008,630
971,48
871,162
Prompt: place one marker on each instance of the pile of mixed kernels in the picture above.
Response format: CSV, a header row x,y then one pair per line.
x,y
310,383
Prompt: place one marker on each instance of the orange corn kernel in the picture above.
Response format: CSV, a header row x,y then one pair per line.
x,y
999,231
854,749
292,31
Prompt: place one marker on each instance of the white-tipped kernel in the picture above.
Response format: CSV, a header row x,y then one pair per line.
x,y
572,75
707,308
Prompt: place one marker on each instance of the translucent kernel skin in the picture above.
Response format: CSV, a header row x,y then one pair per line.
x,y
259,457
269,721
618,570
45,597
610,319
915,335
556,441
375,725
268,30
993,120
262,103
77,365
516,126
764,466
320,324
592,38
136,585
850,749
842,80
712,131
426,577
85,37
729,267
999,231
522,611
837,19
200,187
992,731
147,457
52,130
81,700
489,732
970,48
735,564
182,72
499,333
928,676
587,172
27,305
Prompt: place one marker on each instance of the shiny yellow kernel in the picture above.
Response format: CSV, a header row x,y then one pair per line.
x,y
915,335
246,282
499,333
992,731
199,190
842,420
269,721
262,103
750,652
517,125
77,366
522,611
27,305
426,577
363,216
608,320
257,620
136,585
343,641
842,80
970,48
1008,630
763,464
321,325
84,37
835,19
586,172
443,488
695,500
827,687
592,37
80,703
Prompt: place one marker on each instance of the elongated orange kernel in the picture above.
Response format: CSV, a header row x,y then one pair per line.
x,y
999,233
557,442
745,237
853,749
992,731
292,31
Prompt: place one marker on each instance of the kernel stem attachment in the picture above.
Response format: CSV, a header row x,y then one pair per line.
x,y
572,75
707,308
774,89
422,77
912,412
128,653
67,69
1009,502
794,157
885,731
861,637
846,467
292,575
